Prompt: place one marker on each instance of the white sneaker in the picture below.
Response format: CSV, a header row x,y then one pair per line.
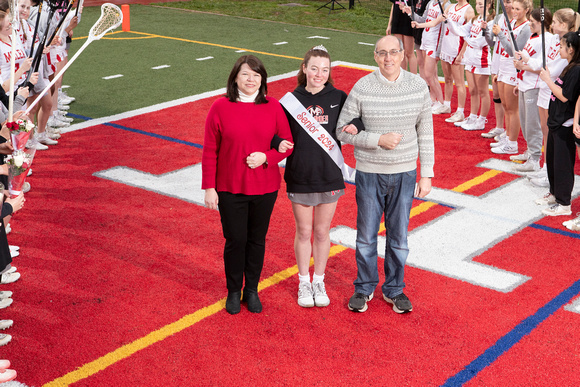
x,y
305,296
505,149
34,144
547,199
44,139
62,107
4,339
477,124
557,210
5,294
541,182
529,166
492,133
464,122
522,157
8,278
439,108
14,253
56,123
540,173
320,297
63,117
8,229
5,324
53,135
29,172
457,116
499,140
573,224
6,302
64,94
64,100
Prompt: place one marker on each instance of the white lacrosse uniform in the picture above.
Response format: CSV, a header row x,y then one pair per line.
x,y
528,80
432,35
498,47
477,55
6,54
554,63
452,43
507,72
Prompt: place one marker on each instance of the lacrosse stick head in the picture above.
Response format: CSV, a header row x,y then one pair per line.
x,y
111,18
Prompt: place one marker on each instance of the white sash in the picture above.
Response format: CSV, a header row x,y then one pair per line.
x,y
318,133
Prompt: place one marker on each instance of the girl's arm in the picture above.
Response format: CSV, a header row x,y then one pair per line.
x,y
576,125
430,24
388,31
556,90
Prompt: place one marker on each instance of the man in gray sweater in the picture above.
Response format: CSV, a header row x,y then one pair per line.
x,y
395,108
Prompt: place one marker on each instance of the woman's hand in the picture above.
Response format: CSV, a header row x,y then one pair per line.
x,y
255,159
284,146
211,198
496,29
545,75
17,203
27,64
577,129
350,129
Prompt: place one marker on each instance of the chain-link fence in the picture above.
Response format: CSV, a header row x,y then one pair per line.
x,y
384,6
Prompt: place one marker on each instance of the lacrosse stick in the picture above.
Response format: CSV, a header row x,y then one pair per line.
x,y
111,18
542,20
484,16
15,21
509,27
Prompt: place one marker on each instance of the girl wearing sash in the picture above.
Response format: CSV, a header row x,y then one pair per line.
x,y
240,173
314,180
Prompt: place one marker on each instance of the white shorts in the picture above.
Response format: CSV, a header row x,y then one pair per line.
x,y
508,78
478,70
544,97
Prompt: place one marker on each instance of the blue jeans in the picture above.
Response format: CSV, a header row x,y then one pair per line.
x,y
391,195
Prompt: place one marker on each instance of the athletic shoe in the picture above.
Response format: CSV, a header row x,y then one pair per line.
x,y
14,254
64,99
464,122
358,302
440,108
8,228
557,210
13,247
492,133
6,302
34,144
29,172
26,187
8,278
541,182
529,166
305,296
401,303
505,149
477,124
12,269
5,339
5,294
499,140
56,123
320,297
457,116
547,199
522,157
64,95
573,224
52,130
52,136
5,324
44,139
540,173
61,116
62,107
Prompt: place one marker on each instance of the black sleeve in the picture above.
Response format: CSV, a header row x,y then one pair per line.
x,y
6,210
571,88
275,143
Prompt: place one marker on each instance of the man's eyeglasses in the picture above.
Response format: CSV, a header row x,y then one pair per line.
x,y
391,53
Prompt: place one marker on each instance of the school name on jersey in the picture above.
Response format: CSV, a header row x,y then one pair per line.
x,y
554,51
318,113
19,55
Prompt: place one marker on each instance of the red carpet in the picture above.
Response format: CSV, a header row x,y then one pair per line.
x,y
104,264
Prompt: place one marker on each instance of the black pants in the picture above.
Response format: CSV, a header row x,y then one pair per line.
x,y
245,220
560,160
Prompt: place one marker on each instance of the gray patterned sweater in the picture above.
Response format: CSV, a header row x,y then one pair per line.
x,y
402,106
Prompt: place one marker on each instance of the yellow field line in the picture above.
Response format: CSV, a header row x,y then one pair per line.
x,y
460,188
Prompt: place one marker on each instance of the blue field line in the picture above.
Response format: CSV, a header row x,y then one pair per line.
x,y
159,136
556,230
506,342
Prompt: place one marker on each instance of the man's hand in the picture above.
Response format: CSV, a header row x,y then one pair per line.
x,y
423,188
390,140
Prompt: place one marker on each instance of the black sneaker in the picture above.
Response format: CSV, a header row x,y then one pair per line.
x,y
401,303
358,302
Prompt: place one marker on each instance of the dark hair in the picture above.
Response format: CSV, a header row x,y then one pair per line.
x,y
256,65
537,16
5,6
572,40
314,51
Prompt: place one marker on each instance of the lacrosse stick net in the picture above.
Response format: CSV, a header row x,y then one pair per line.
x,y
111,18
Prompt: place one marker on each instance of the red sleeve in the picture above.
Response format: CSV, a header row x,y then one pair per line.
x,y
282,130
211,147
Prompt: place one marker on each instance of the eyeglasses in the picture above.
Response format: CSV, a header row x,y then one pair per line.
x,y
391,53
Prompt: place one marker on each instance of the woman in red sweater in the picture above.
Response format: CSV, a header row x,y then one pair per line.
x,y
240,172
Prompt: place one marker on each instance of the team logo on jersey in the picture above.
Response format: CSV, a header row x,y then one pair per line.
x,y
318,113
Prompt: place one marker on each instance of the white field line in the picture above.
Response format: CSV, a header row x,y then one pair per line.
x,y
113,76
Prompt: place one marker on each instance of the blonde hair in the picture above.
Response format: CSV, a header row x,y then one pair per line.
x,y
569,17
528,4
